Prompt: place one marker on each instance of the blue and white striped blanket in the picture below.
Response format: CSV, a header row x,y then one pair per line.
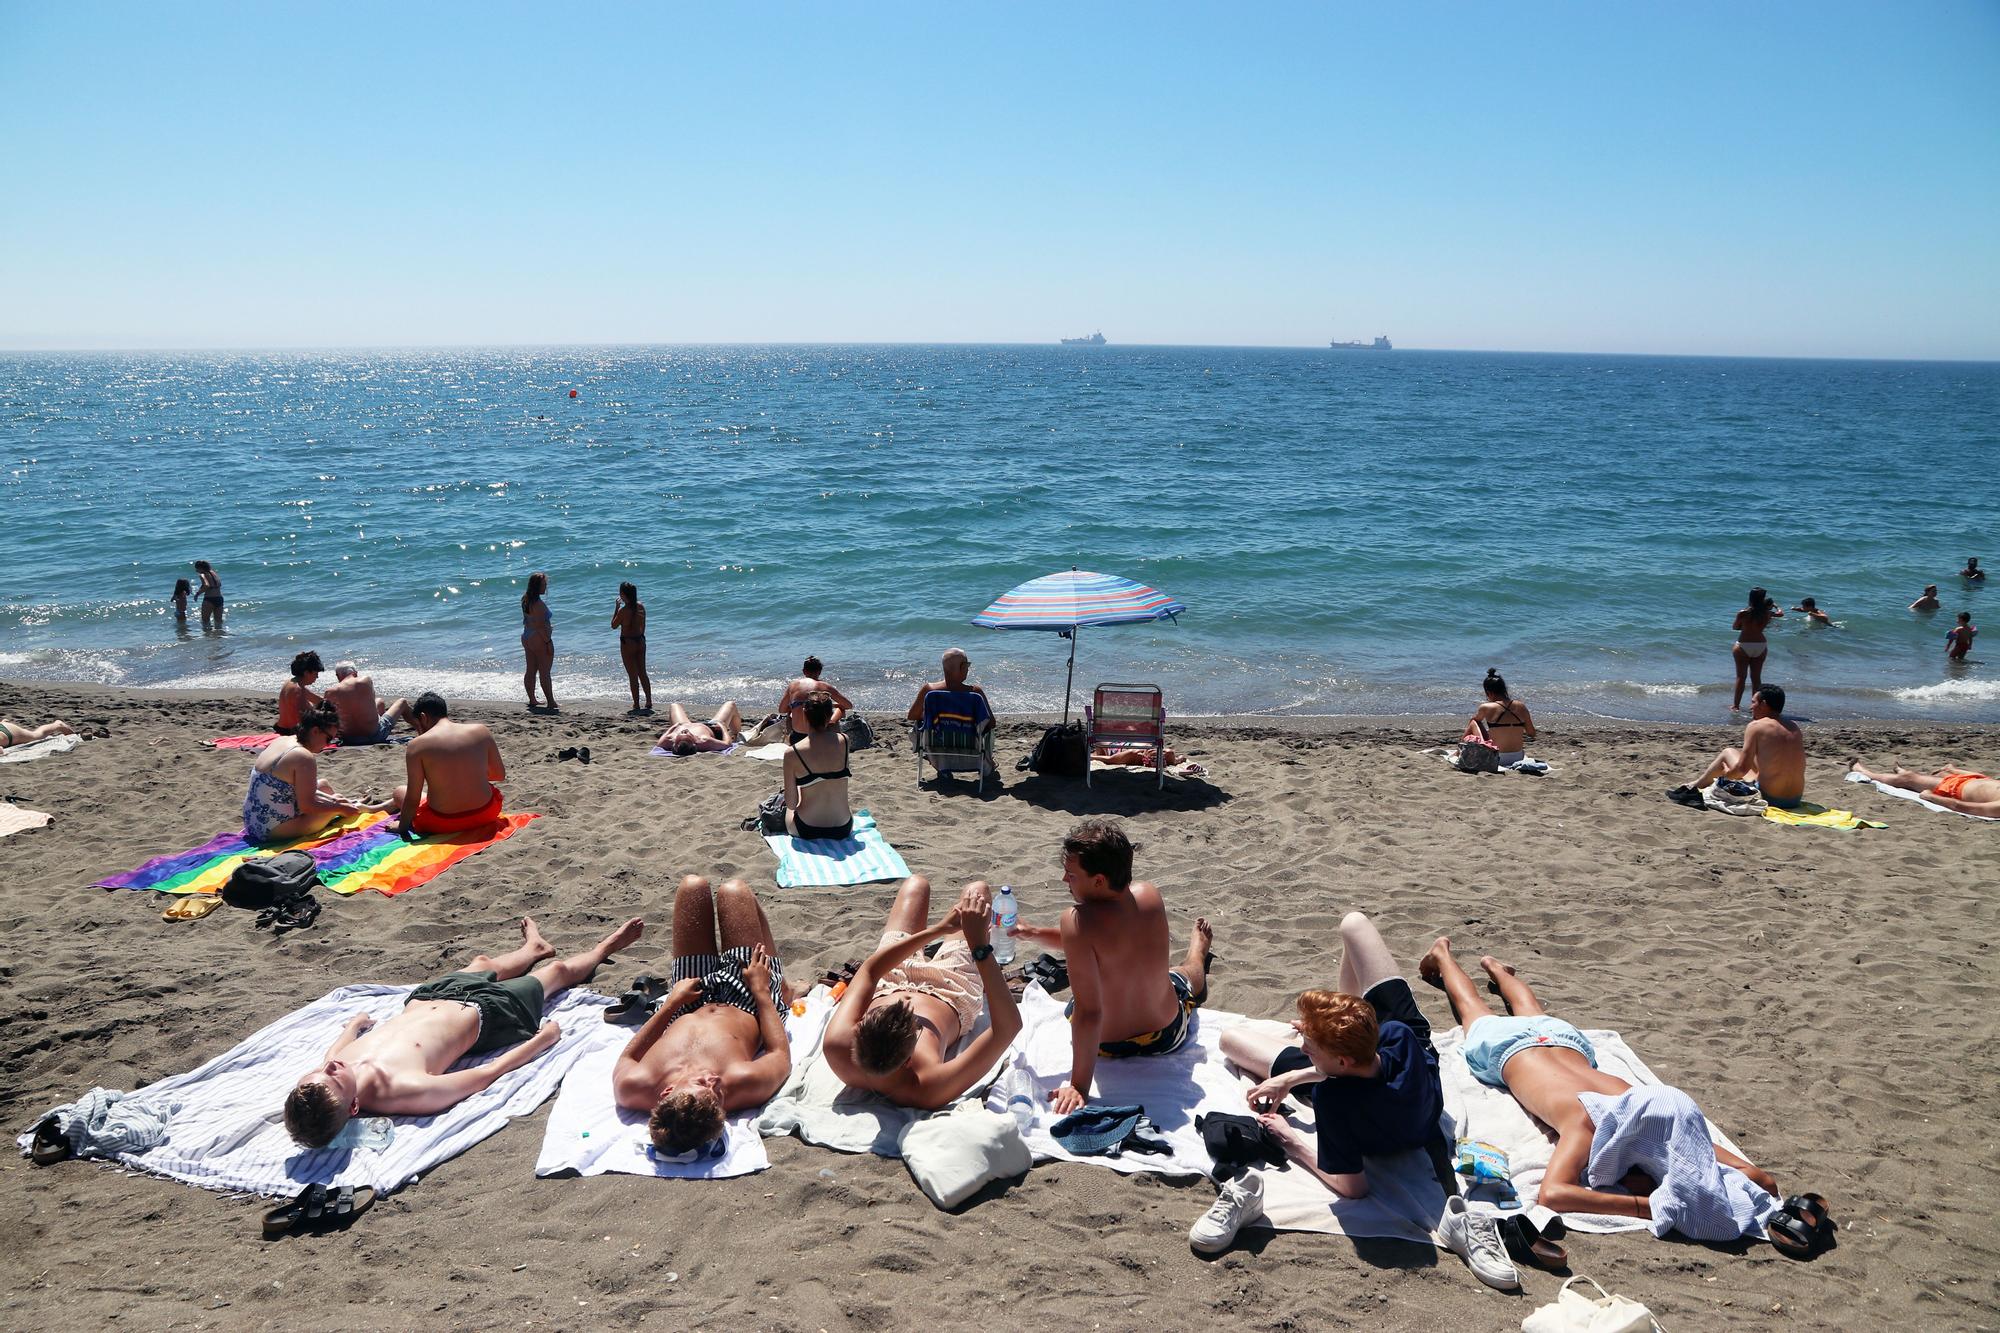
x,y
861,859
228,1132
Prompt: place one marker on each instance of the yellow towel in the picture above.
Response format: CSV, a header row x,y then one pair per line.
x,y
1818,816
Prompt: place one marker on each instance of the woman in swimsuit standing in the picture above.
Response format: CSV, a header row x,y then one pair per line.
x,y
1503,720
1750,644
538,644
211,597
816,775
628,617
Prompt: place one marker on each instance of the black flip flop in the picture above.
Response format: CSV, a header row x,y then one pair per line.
x,y
583,754
1050,970
1806,1226
567,752
51,1145
318,1209
1527,1245
632,1008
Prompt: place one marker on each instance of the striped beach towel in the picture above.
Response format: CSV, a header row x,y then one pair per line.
x,y
228,1131
360,852
861,859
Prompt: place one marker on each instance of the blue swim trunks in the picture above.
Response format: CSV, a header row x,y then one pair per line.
x,y
1492,1041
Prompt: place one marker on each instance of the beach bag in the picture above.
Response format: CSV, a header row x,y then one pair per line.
x,y
860,736
1574,1312
1476,754
1060,753
271,881
771,814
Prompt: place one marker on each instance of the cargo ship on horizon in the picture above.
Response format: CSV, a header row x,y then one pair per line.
x,y
1381,344
1094,340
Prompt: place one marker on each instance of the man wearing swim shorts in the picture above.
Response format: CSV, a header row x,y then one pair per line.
x,y
1114,936
364,719
1551,1069
716,1044
400,1067
900,1028
450,768
1957,789
1773,756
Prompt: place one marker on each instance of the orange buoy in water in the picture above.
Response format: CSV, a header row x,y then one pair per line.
x,y
572,393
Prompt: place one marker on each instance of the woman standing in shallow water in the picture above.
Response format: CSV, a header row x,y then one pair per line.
x,y
628,617
538,644
1750,645
211,597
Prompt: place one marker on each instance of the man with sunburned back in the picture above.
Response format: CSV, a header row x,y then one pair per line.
x,y
399,1067
451,768
1773,756
1114,934
716,1043
900,1028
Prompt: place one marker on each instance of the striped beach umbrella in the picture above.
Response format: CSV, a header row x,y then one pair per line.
x,y
1066,602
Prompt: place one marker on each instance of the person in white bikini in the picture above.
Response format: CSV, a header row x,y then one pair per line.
x,y
1751,645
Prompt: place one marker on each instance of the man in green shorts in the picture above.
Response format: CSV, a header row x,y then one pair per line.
x,y
400,1067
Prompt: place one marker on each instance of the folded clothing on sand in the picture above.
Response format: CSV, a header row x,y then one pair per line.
x,y
226,1131
863,858
360,851
590,1134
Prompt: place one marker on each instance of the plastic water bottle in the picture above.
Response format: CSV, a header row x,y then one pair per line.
x,y
1023,1110
1005,912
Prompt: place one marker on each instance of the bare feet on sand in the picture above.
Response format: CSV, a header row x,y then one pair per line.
x,y
1494,967
1202,945
531,936
628,934
1431,966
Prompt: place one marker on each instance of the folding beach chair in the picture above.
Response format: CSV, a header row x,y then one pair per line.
x,y
956,735
1126,717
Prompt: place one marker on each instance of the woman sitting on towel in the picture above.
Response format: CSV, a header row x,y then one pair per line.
x,y
816,776
1503,720
287,799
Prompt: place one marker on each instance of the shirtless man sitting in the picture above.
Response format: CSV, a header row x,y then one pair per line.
x,y
903,1015
802,687
1551,1069
698,1057
364,719
14,733
296,695
1958,789
451,768
957,666
684,737
1773,756
399,1068
1127,1001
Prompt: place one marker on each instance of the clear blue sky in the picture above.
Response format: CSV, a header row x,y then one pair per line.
x,y
1789,178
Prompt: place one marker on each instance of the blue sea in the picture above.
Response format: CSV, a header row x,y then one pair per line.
x,y
1352,532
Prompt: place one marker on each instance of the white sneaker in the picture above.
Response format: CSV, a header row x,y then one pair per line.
x,y
1475,1238
1240,1200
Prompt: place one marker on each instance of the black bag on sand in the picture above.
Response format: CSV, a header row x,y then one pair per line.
x,y
860,736
770,816
1060,753
271,881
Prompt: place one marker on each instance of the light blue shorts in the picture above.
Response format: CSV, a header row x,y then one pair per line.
x,y
1492,1041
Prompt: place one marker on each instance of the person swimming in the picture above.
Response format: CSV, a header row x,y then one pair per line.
x,y
1814,616
1958,639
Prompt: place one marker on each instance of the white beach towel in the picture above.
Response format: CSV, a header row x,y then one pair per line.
x,y
1902,795
822,1110
590,1134
16,819
228,1132
861,859
1491,1115
774,753
1404,1199
41,749
657,753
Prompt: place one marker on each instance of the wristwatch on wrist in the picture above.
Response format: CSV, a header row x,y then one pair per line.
x,y
982,952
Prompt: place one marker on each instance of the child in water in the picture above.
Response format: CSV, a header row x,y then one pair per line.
x,y
182,589
1959,637
1814,616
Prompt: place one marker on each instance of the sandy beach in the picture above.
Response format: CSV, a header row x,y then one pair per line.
x,y
1829,998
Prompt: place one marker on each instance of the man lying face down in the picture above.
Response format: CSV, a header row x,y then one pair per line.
x,y
900,1029
717,1042
400,1067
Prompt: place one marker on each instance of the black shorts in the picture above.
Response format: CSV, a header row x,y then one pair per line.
x,y
1391,999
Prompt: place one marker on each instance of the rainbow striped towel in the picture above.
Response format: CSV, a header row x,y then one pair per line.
x,y
360,852
861,859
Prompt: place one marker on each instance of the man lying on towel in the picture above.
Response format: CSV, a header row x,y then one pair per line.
x,y
1773,756
451,767
1958,789
1551,1068
903,1015
399,1067
697,1058
1127,1000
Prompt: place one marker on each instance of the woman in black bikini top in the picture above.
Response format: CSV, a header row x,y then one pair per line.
x,y
1503,719
816,800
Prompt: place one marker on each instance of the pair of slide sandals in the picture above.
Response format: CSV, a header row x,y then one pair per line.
x,y
637,1004
580,753
1537,1246
1804,1229
318,1208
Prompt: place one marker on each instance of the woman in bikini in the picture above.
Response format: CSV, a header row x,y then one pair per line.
x,y
816,775
538,644
182,591
211,597
628,617
1750,644
14,733
287,799
1503,720
683,737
